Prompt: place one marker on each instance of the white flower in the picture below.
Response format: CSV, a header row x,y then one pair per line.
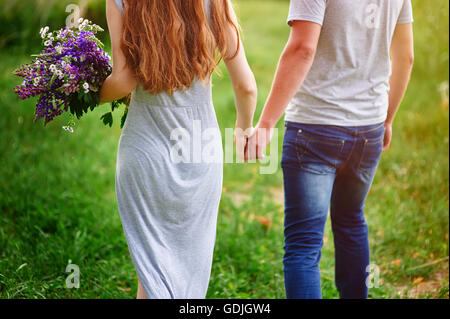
x,y
68,129
63,63
53,68
48,43
44,31
86,87
80,20
72,76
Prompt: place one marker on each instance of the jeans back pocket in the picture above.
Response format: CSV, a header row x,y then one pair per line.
x,y
318,154
372,150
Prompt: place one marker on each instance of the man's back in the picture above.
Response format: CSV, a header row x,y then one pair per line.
x,y
348,83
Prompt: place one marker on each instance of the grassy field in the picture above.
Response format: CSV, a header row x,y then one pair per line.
x,y
58,204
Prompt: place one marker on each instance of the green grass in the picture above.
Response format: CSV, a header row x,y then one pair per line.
x,y
58,204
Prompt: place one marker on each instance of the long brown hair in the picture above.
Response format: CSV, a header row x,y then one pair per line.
x,y
169,43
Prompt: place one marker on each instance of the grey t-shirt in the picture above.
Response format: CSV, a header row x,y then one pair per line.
x,y
348,83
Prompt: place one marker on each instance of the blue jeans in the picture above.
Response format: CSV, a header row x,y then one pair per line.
x,y
327,168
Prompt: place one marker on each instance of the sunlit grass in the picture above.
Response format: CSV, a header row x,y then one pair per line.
x,y
58,204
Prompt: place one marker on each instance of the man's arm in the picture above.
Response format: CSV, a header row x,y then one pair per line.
x,y
402,55
295,63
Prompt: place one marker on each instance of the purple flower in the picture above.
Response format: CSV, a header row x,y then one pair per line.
x,y
71,66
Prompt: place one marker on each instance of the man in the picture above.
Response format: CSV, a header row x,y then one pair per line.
x,y
341,91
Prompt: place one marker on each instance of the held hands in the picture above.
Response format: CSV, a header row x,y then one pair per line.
x,y
250,144
241,139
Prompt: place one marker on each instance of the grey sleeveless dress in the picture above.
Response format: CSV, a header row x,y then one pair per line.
x,y
169,209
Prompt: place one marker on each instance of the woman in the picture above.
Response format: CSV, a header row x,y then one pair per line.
x,y
164,53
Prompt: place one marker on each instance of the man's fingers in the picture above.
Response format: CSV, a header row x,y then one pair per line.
x,y
387,139
251,149
386,143
245,150
259,152
240,146
256,145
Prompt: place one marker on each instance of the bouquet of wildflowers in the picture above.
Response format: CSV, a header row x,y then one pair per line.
x,y
68,74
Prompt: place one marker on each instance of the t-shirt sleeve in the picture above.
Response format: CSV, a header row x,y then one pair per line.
x,y
406,14
119,5
307,10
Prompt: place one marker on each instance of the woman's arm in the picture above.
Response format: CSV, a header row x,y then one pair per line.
x,y
402,55
242,79
121,81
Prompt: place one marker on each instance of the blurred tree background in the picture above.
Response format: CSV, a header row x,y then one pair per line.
x,y
57,196
21,20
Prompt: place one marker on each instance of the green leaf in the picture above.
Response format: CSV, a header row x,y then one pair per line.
x,y
114,105
123,119
96,98
107,119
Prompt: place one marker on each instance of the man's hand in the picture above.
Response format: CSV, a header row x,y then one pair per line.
x,y
257,142
387,136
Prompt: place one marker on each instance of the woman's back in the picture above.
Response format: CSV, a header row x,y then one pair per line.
x,y
169,167
198,93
